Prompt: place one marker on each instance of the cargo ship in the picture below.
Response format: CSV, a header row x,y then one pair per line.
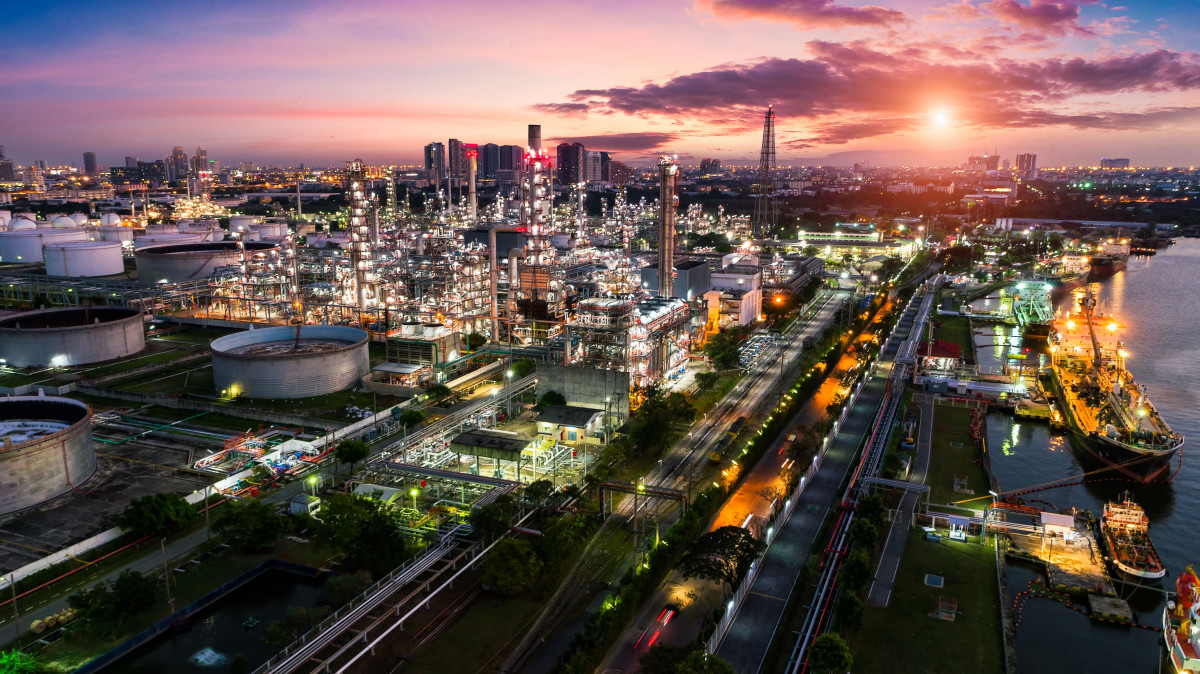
x,y
1181,625
1099,401
1109,260
1125,531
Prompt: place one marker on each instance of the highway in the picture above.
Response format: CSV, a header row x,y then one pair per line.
x,y
754,397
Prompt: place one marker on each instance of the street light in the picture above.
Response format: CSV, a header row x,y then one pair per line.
x,y
414,493
312,483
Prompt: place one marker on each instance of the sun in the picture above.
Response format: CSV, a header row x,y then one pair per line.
x,y
939,117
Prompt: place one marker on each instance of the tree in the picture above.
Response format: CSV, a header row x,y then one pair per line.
x,y
409,418
848,614
436,393
855,571
723,349
811,251
864,533
18,662
475,340
522,368
352,451
511,568
661,659
493,519
706,380
723,556
550,398
162,513
561,537
871,509
106,606
805,446
538,491
132,593
366,531
347,586
251,525
829,653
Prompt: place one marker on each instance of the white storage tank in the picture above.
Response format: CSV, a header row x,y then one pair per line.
x,y
190,261
119,234
69,337
21,223
162,229
240,224
269,230
45,449
80,219
290,362
25,245
5,218
164,239
110,220
82,259
64,222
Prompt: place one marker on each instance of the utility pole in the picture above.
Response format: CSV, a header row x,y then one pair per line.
x,y
162,546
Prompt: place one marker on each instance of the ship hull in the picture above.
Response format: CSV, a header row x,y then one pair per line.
x,y
1138,466
1100,271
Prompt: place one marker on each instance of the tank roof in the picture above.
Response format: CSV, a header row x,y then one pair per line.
x,y
50,319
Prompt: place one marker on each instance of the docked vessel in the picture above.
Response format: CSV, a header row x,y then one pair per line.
x,y
1109,260
1181,625
1126,534
1034,311
1100,402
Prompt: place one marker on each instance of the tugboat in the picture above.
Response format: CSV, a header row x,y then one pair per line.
x,y
1101,403
1181,625
1126,532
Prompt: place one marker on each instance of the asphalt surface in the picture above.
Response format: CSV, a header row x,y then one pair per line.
x,y
749,637
893,548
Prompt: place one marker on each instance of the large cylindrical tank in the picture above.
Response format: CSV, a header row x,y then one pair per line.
x,y
80,219
290,362
110,220
64,222
165,238
22,223
153,230
5,218
119,234
269,230
190,261
26,245
83,258
46,451
241,223
68,337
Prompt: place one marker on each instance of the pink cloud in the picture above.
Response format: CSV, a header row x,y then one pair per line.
x,y
804,13
1056,18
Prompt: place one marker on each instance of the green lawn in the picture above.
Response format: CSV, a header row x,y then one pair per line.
x,y
956,330
902,638
952,453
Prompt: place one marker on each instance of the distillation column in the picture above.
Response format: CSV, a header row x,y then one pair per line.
x,y
668,173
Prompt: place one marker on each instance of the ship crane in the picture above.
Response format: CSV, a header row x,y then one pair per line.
x,y
1089,303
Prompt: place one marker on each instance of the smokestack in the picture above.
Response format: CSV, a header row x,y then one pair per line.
x,y
667,175
535,137
472,167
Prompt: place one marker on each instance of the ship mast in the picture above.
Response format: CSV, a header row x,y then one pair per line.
x,y
1088,304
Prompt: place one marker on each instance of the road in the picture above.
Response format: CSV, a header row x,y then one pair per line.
x,y
753,628
893,548
552,631
759,395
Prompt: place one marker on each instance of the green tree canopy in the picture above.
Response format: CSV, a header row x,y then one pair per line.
x,y
522,368
352,451
251,525
722,555
162,513
410,418
492,520
438,392
538,491
366,531
511,568
829,653
550,398
706,380
723,349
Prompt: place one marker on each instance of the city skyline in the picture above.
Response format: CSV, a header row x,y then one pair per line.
x,y
906,83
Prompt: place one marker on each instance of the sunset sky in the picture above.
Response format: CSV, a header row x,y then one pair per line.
x,y
320,82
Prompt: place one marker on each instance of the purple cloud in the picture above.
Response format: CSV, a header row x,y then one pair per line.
x,y
804,13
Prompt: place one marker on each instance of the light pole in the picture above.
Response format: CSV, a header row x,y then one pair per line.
x,y
414,494
312,483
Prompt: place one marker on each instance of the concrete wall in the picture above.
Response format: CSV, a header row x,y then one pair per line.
x,y
586,387
38,470
70,345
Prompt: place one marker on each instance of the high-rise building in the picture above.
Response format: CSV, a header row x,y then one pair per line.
x,y
177,164
489,160
455,159
153,172
435,161
1116,163
6,168
200,161
1027,164
620,173
130,162
591,167
705,166
89,163
511,157
605,167
571,158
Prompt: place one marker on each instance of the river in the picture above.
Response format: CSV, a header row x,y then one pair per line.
x,y
1158,298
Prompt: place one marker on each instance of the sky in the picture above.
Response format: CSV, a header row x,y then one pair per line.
x,y
908,82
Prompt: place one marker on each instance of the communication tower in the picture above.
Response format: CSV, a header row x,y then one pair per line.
x,y
766,207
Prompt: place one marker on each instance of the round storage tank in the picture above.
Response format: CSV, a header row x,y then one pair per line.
x,y
110,220
22,223
153,230
190,261
69,337
5,218
64,222
83,258
119,234
25,245
46,452
270,230
241,223
80,219
290,362
164,239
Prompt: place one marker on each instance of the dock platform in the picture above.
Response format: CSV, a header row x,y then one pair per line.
x,y
1074,567
1110,609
